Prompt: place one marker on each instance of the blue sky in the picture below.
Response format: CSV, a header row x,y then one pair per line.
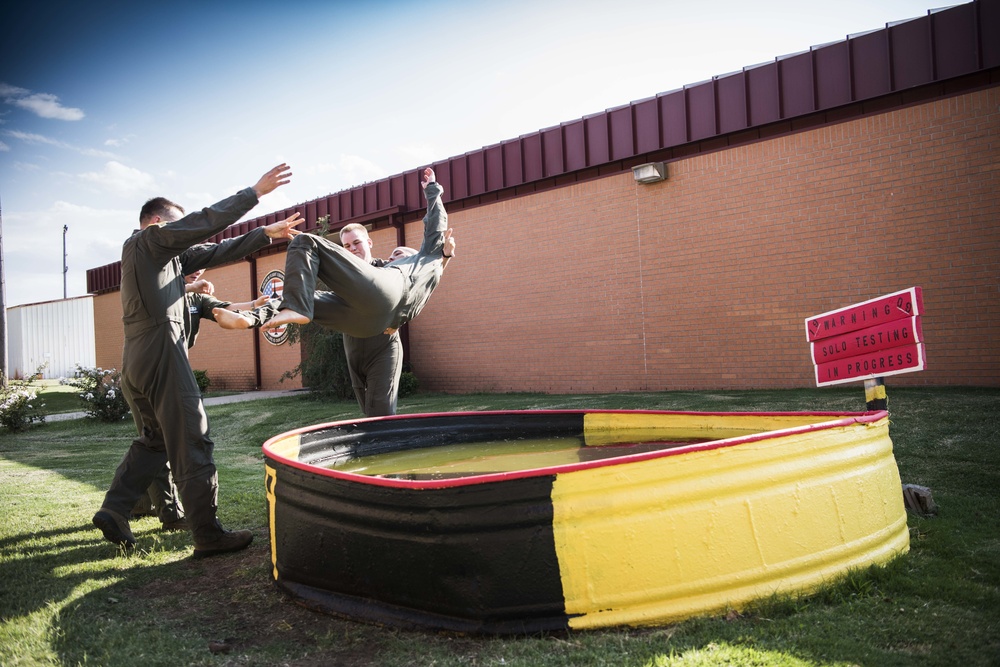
x,y
104,105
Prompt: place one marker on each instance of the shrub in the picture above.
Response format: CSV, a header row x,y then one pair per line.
x,y
20,405
324,364
201,377
408,384
101,393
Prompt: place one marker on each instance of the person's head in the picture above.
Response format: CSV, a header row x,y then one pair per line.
x,y
159,210
400,252
191,277
355,238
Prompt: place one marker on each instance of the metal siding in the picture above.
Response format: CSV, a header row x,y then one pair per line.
x,y
833,75
414,193
647,126
358,202
311,216
989,24
673,115
732,102
459,178
382,190
870,55
442,171
762,94
796,85
397,186
477,173
333,208
370,197
60,333
622,133
512,172
701,110
598,151
494,167
576,145
15,344
531,156
344,206
954,33
912,61
552,149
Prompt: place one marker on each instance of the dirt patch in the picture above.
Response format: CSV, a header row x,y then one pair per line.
x,y
234,605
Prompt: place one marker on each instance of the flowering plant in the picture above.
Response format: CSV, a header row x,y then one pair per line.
x,y
101,392
20,405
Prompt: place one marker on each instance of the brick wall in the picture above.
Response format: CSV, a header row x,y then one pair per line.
x,y
109,334
703,281
227,356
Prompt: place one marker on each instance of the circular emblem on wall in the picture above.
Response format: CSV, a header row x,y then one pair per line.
x,y
271,287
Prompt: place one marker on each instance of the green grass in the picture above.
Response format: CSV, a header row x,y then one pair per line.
x,y
58,398
68,598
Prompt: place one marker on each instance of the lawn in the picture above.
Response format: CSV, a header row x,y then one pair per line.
x,y
69,598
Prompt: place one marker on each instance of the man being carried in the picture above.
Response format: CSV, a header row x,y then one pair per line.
x,y
376,363
364,300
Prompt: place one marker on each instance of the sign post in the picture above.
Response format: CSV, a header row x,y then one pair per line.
x,y
868,341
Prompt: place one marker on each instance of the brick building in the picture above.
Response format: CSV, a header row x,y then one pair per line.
x,y
794,187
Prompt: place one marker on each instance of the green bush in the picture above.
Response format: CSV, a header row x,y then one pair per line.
x,y
101,393
20,405
408,384
324,364
201,377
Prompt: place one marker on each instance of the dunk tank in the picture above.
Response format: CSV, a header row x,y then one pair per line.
x,y
546,520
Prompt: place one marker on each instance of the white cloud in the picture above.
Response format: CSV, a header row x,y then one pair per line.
x,y
45,105
4,147
33,138
119,141
420,153
352,167
120,179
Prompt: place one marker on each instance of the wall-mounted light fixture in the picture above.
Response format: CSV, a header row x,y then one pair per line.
x,y
651,172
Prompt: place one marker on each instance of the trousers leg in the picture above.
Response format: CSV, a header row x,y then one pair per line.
x,y
357,298
375,364
165,497
161,387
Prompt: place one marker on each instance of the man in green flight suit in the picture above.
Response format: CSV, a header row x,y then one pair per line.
x,y
157,379
161,499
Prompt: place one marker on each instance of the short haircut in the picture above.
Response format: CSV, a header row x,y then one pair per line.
x,y
157,206
353,227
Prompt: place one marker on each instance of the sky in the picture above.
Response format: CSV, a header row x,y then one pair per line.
x,y
104,105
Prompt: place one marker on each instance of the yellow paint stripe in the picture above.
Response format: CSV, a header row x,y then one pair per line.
x,y
271,481
604,428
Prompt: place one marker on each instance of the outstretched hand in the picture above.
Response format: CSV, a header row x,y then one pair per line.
x,y
428,178
273,179
449,244
200,286
283,229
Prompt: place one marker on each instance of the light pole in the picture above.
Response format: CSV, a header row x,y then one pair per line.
x,y
65,268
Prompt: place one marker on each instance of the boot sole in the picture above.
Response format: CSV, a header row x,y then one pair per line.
x,y
208,553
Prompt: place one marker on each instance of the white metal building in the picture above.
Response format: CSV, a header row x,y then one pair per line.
x,y
60,333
